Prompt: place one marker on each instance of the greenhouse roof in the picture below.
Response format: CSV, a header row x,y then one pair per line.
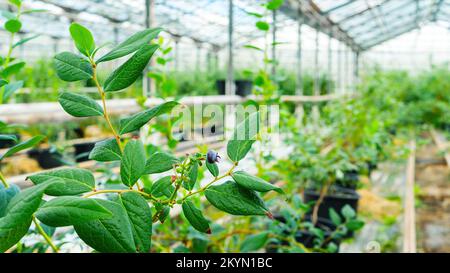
x,y
361,24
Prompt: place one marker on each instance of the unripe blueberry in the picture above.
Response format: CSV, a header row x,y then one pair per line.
x,y
212,157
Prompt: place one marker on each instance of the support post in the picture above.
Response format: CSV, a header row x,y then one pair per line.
x,y
147,86
330,67
299,85
274,40
299,89
339,72
198,46
346,69
316,65
229,90
177,53
356,69
315,109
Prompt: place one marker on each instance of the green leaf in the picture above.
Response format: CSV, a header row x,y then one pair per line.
x,y
195,217
12,69
83,39
160,162
254,14
6,194
3,82
334,216
255,242
238,149
18,3
354,225
138,120
140,216
132,166
108,235
13,25
274,4
192,175
243,137
33,11
128,72
71,67
71,210
24,40
79,105
165,212
17,220
22,146
10,88
261,25
254,47
66,181
9,137
106,150
348,212
254,183
213,168
130,45
163,187
236,200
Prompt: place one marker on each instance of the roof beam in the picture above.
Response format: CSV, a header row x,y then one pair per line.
x,y
393,35
438,8
363,25
338,7
392,26
362,12
313,16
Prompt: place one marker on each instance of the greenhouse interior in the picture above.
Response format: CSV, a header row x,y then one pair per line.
x,y
225,126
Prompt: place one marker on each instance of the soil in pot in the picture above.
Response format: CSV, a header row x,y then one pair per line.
x,y
349,181
306,237
82,151
336,200
47,158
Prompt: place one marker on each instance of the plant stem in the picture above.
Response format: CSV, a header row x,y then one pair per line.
x,y
120,191
105,110
2,178
210,183
46,237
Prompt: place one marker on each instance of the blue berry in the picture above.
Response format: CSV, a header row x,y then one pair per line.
x,y
212,157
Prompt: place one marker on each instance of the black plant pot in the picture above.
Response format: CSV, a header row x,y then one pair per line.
x,y
82,151
243,87
220,85
371,166
46,158
337,201
8,143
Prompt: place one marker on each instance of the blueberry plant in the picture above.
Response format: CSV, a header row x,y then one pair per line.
x,y
122,220
9,67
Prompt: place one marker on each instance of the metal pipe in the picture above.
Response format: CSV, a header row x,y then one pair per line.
x,y
274,40
316,65
299,89
149,20
356,68
230,69
330,67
